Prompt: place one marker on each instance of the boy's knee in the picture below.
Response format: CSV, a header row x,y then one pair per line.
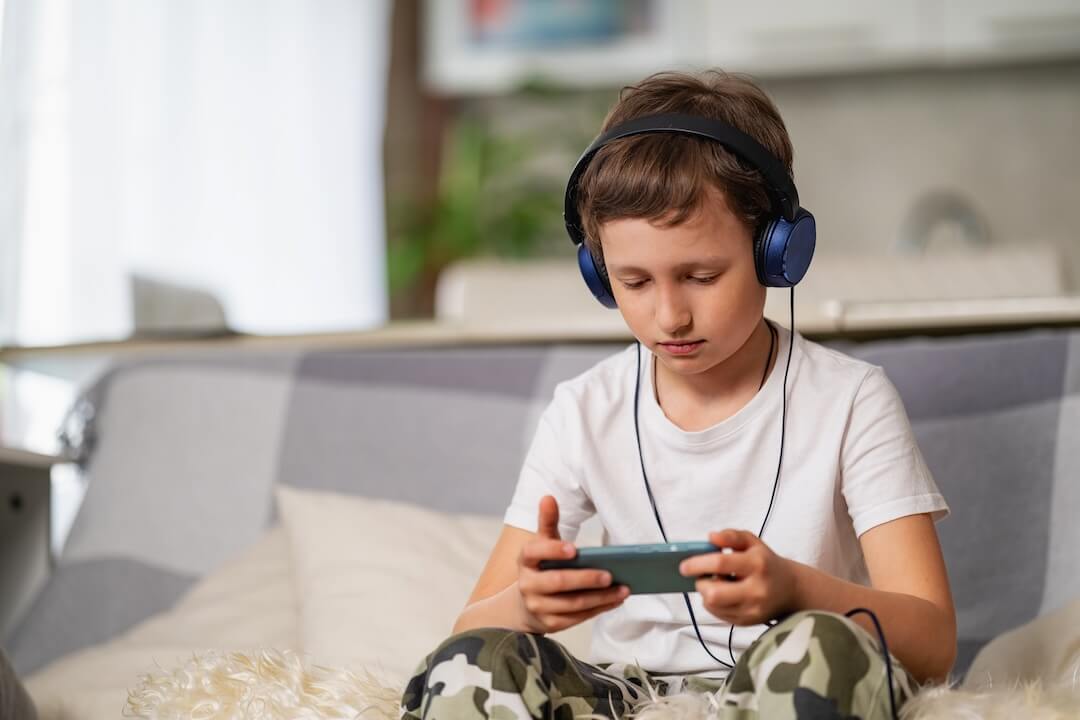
x,y
829,622
836,636
823,623
483,635
451,667
815,659
482,647
798,631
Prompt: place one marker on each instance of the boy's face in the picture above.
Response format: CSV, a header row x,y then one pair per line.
x,y
689,292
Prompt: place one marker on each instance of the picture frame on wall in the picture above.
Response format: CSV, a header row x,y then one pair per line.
x,y
495,46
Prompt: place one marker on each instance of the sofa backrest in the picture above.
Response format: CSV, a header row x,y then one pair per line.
x,y
179,457
184,453
444,428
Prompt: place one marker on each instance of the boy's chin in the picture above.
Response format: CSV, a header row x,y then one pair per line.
x,y
689,365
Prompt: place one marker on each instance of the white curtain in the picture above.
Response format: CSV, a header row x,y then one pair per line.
x,y
230,146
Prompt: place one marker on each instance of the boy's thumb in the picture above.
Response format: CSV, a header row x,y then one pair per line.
x,y
548,525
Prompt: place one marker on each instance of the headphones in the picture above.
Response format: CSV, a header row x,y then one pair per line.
x,y
783,243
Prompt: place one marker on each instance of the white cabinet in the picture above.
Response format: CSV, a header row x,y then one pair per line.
x,y
789,38
783,37
763,37
1009,29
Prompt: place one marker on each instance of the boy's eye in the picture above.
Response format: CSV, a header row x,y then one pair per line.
x,y
704,279
632,284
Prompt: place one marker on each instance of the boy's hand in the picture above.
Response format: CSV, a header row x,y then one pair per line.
x,y
553,600
747,586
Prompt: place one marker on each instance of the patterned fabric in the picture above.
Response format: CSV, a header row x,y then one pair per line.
x,y
813,665
172,439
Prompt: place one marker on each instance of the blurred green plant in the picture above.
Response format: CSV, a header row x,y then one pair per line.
x,y
487,203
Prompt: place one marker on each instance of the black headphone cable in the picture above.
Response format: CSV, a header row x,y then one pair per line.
x,y
768,511
776,480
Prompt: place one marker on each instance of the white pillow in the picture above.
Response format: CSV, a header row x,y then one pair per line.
x,y
1046,648
246,603
380,583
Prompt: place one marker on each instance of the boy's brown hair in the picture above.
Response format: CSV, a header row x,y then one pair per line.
x,y
665,177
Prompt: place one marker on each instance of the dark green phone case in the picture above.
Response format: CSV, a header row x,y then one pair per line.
x,y
644,569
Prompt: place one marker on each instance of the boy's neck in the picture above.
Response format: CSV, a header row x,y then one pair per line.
x,y
695,402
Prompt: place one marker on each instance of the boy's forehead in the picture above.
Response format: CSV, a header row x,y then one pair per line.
x,y
672,263
632,243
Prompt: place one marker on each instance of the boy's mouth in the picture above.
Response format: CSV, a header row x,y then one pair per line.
x,y
682,348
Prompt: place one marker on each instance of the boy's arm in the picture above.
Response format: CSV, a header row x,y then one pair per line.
x,y
514,593
910,594
496,601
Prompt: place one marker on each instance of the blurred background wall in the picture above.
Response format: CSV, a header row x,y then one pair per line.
x,y
1003,139
935,127
287,167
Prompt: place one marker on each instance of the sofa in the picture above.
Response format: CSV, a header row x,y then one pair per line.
x,y
210,474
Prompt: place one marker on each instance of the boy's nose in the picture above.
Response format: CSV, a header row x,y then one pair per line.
x,y
672,313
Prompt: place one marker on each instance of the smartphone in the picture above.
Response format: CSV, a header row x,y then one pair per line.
x,y
643,568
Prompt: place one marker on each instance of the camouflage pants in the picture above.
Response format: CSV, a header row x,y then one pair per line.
x,y
813,665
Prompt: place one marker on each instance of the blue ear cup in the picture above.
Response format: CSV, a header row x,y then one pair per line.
x,y
783,250
593,278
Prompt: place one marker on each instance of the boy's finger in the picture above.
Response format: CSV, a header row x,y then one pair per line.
x,y
546,549
548,523
557,582
721,563
720,595
577,602
580,617
734,539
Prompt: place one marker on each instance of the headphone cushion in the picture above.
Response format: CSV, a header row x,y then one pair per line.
x,y
598,285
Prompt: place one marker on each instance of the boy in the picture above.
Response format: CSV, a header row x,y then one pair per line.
x,y
679,230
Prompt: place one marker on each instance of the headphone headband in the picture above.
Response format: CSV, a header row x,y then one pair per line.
x,y
778,183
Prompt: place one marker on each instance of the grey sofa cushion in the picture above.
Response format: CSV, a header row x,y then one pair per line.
x,y
996,417
183,453
181,459
443,428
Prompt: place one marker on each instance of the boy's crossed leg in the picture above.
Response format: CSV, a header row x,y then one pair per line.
x,y
814,664
508,675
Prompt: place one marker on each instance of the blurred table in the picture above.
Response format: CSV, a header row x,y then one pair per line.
x,y
25,525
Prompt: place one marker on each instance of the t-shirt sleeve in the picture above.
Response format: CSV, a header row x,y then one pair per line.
x,y
549,469
884,475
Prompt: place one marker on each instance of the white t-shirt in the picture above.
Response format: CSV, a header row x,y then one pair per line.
x,y
850,463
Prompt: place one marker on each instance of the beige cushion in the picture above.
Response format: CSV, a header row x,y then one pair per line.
x,y
381,583
246,603
1047,649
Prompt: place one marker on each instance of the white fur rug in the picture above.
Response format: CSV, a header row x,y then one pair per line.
x,y
265,684
275,685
